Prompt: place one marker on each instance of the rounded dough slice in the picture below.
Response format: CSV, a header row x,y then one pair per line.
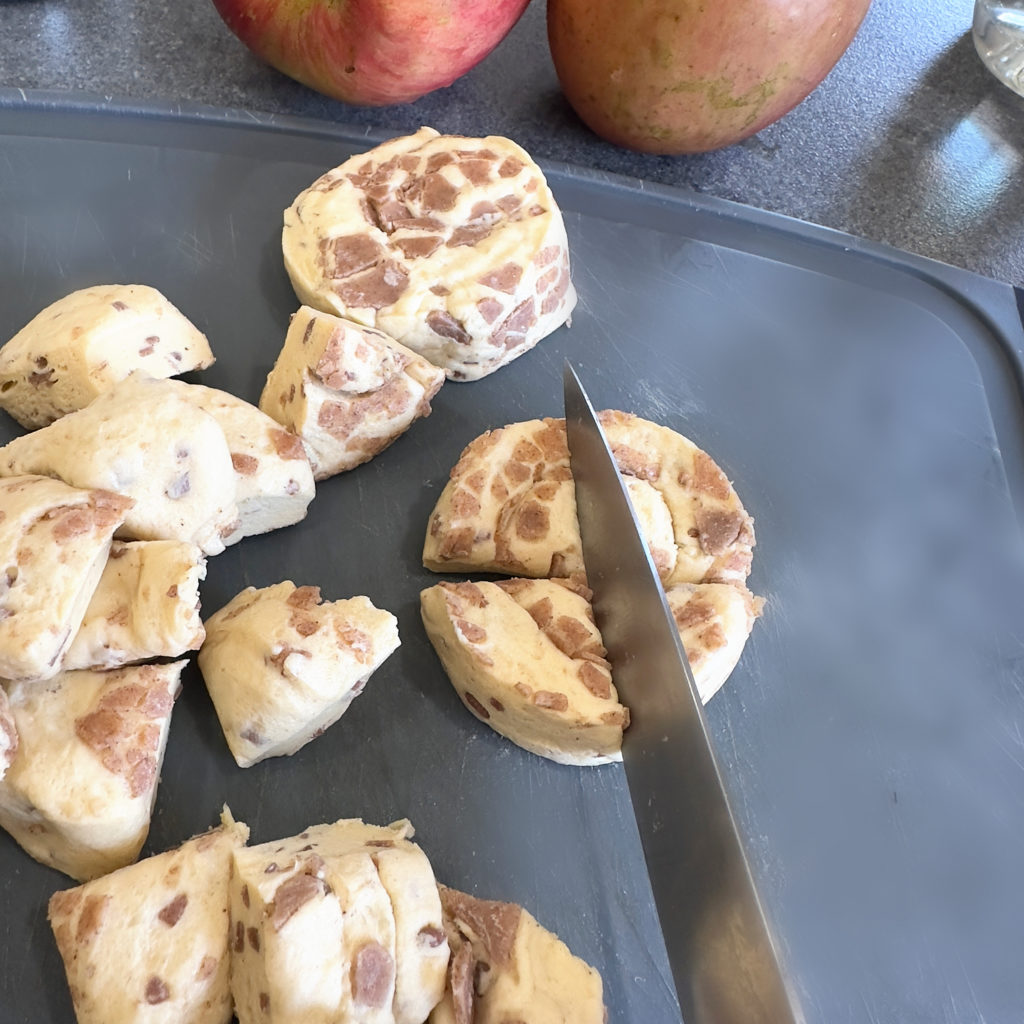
x,y
526,658
84,343
510,506
347,391
453,246
150,942
79,793
143,440
714,620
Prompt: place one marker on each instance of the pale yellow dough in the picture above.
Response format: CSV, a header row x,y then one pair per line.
x,y
149,943
347,391
510,505
54,541
526,658
84,343
80,790
282,666
340,923
145,606
506,967
143,440
453,246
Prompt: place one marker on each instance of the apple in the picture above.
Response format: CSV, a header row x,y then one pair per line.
x,y
372,52
688,76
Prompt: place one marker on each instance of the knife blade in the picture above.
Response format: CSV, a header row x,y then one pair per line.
x,y
724,959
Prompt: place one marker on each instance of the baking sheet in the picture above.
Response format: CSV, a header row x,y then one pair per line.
x,y
866,406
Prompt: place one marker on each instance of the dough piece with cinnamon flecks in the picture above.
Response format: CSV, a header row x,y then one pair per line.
x,y
273,477
714,620
510,505
54,541
282,666
454,246
348,391
143,440
149,942
145,606
84,343
342,922
505,966
79,793
8,734
526,658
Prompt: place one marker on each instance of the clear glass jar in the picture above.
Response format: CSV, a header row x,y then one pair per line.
x,y
999,39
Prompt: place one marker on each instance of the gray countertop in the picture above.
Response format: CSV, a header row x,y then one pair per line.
x,y
908,142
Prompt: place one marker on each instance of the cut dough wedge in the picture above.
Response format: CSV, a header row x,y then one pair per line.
x,y
84,343
150,942
54,542
347,391
282,666
506,967
79,792
143,440
526,658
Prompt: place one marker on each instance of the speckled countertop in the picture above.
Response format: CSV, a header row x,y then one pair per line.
x,y
909,141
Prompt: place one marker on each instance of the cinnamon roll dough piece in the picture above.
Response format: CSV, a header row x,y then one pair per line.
x,y
454,246
83,344
714,620
145,606
273,477
281,666
510,505
8,734
323,928
505,966
79,793
54,541
149,942
347,391
142,439
526,658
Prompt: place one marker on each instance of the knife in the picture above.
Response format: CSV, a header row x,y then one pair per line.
x,y
723,956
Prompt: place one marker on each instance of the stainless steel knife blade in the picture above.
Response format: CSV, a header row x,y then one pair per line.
x,y
724,959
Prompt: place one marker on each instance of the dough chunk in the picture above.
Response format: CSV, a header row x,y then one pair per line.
x,y
143,440
510,505
282,666
348,391
8,734
80,790
714,620
149,943
84,343
273,477
54,541
506,967
526,658
146,606
340,923
453,246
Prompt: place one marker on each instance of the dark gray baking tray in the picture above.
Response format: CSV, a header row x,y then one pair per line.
x,y
867,406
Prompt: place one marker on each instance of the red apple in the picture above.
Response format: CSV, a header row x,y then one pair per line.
x,y
372,52
687,76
